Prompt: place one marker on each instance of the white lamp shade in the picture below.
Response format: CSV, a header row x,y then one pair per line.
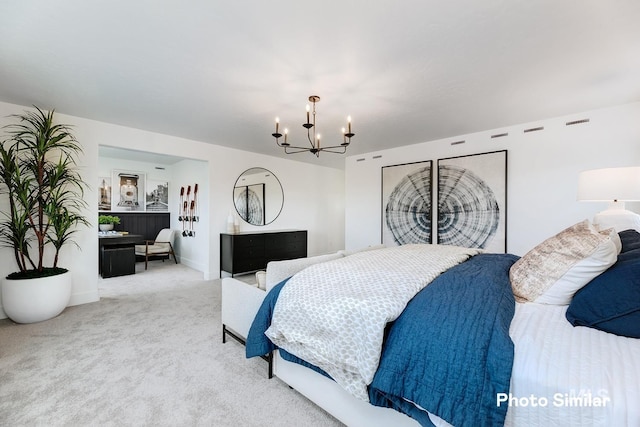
x,y
610,184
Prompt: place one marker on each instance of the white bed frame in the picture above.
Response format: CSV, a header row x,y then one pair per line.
x,y
335,400
541,364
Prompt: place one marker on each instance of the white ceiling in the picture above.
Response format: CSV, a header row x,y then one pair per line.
x,y
160,160
406,71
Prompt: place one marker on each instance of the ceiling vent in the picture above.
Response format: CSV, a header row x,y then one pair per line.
x,y
577,122
534,129
499,135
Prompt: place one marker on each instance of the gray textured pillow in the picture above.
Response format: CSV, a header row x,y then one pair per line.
x,y
553,271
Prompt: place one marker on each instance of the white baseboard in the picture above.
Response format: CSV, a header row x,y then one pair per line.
x,y
84,298
195,265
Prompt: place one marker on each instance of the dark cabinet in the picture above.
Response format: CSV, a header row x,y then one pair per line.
x,y
249,251
118,261
117,256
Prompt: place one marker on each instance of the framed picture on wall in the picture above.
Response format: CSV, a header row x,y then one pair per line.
x,y
406,203
104,193
128,193
156,198
472,201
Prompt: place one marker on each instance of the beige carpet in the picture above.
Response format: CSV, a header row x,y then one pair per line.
x,y
149,353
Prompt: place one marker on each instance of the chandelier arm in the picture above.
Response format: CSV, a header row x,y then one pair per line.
x,y
287,145
342,146
297,149
313,145
294,146
331,149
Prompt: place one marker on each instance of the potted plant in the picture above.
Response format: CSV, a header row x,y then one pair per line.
x,y
106,222
45,195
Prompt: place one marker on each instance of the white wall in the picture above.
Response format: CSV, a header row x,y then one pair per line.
x,y
192,251
542,174
314,197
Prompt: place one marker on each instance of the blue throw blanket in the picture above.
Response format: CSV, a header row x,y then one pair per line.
x,y
449,351
257,343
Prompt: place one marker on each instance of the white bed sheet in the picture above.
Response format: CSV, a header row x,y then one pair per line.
x,y
556,361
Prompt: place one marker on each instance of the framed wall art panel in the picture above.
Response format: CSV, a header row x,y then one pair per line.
x,y
104,193
407,203
472,201
128,193
156,197
249,202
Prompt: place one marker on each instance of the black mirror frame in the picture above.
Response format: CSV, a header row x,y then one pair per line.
x,y
266,221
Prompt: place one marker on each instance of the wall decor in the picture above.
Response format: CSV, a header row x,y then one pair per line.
x,y
406,203
472,201
249,202
156,197
129,194
188,210
266,201
104,193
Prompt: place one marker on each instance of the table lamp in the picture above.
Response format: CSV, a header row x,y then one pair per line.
x,y
616,186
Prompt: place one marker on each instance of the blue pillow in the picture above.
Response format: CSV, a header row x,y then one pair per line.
x,y
611,301
630,240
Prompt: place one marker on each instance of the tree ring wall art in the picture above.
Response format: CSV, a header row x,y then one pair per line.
x,y
407,203
249,202
472,201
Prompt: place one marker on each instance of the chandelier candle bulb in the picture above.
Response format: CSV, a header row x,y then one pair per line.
x,y
349,123
308,108
277,124
286,131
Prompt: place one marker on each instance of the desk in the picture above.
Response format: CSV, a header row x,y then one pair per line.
x,y
117,255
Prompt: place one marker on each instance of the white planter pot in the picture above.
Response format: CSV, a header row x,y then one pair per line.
x,y
105,227
35,300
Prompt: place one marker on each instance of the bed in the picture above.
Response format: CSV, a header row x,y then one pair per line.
x,y
488,340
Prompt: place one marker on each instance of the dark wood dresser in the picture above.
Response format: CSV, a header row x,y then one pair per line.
x,y
250,251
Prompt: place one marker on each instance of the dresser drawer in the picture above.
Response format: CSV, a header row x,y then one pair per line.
x,y
249,264
242,242
246,252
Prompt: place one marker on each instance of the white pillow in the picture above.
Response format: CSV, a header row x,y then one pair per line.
x,y
553,271
277,271
611,232
261,279
368,248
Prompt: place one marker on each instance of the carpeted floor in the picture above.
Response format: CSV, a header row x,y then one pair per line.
x,y
149,353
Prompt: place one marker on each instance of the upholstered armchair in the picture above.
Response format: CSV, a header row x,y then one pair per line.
x,y
161,247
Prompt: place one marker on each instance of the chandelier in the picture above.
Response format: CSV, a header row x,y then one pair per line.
x,y
314,138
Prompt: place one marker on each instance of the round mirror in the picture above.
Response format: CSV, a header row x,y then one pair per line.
x,y
258,196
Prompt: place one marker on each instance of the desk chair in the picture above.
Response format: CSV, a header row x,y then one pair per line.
x,y
162,246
